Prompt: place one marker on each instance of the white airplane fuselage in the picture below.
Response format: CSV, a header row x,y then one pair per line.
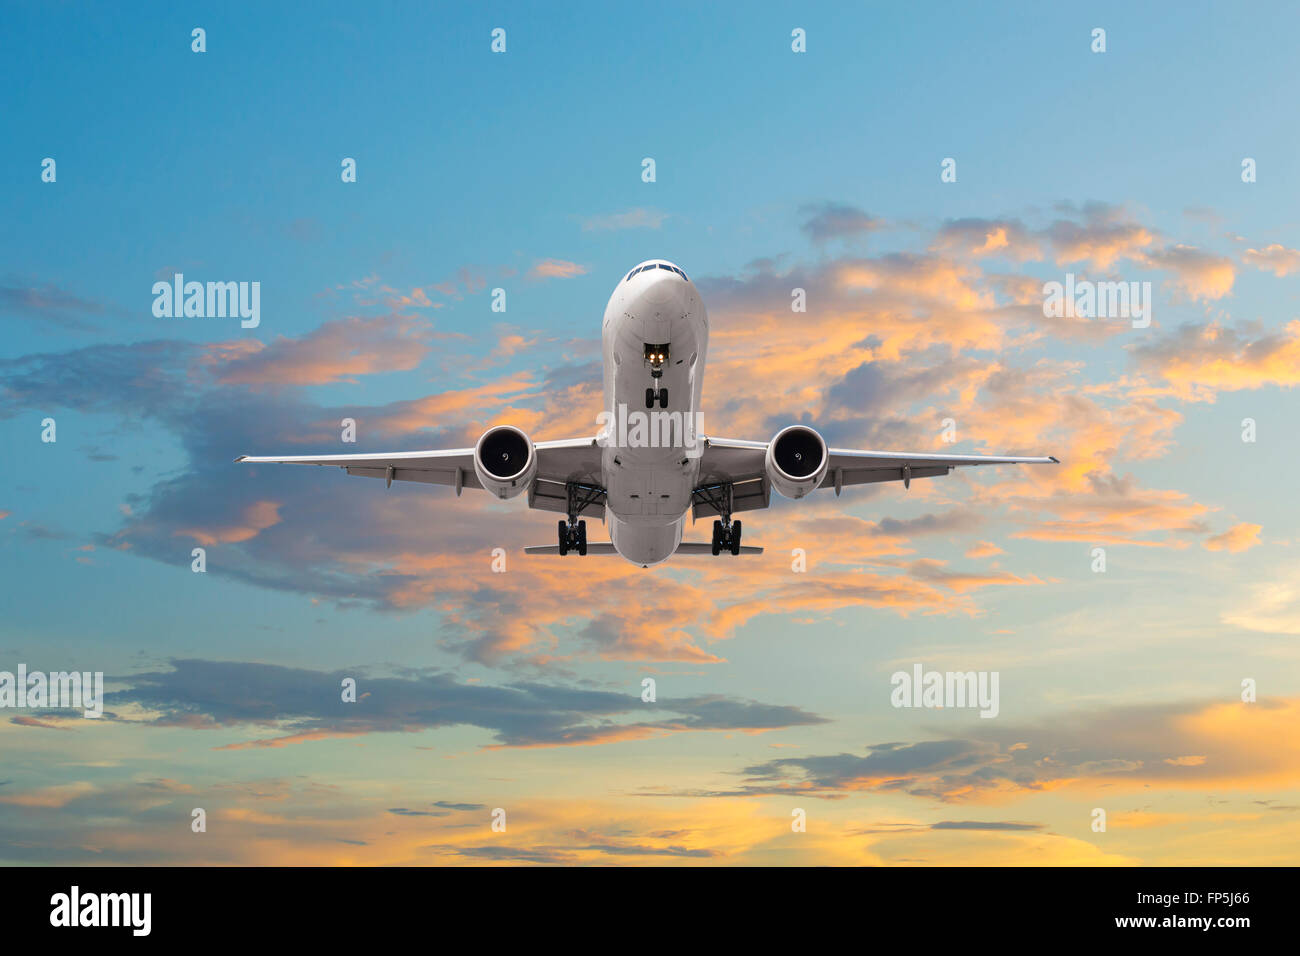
x,y
648,486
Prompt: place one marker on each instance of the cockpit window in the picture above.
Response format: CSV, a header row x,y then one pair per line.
x,y
657,265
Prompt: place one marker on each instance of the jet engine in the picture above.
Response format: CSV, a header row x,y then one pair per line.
x,y
796,461
505,461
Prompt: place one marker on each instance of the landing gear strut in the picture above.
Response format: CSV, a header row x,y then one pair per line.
x,y
573,533
726,533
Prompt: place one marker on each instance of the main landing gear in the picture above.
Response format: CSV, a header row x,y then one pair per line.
x,y
726,533
573,536
573,533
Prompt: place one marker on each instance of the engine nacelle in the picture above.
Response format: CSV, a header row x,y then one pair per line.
x,y
796,461
505,461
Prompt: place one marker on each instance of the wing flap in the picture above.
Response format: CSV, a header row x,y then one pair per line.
x,y
863,476
428,476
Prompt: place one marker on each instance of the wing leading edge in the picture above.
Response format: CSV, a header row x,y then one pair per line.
x,y
558,463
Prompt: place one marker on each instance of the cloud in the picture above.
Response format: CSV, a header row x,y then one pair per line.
x,y
556,269
1240,537
984,825
49,724
1275,258
1199,361
929,569
500,854
1129,748
1100,235
58,795
978,238
1198,274
337,351
834,220
49,304
983,549
298,705
1269,607
255,518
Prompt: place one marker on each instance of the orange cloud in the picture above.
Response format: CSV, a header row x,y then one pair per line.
x,y
1200,361
1275,258
1240,537
1197,274
254,519
54,796
336,351
556,269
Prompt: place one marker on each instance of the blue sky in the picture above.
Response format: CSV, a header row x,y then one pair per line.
x,y
523,171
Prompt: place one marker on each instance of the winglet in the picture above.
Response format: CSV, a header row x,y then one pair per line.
x,y
1055,460
241,458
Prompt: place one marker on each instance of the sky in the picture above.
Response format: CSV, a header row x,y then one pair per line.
x,y
1139,603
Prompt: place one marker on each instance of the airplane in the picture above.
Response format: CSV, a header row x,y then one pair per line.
x,y
645,480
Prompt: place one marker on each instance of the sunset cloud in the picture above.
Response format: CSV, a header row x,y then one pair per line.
x,y
299,706
1275,258
1198,361
337,351
556,269
1240,537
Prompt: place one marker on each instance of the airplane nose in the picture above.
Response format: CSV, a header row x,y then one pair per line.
x,y
668,291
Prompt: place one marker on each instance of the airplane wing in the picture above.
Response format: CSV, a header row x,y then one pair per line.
x,y
740,463
558,462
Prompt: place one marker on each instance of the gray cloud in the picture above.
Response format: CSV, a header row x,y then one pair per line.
x,y
293,701
836,220
47,303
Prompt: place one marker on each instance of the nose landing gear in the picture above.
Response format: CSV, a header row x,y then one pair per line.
x,y
656,357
